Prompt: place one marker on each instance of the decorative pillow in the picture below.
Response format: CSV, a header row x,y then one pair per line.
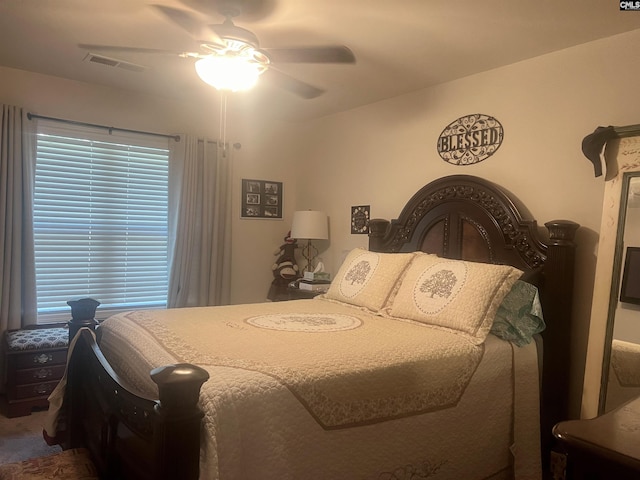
x,y
454,294
366,279
519,316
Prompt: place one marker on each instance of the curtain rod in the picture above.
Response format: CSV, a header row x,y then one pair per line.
x,y
111,129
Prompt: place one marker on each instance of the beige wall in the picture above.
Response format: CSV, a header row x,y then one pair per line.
x,y
380,154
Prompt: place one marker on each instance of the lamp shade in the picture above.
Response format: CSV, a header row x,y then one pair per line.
x,y
310,225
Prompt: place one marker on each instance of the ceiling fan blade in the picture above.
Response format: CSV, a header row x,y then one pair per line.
x,y
328,54
191,24
118,49
251,10
293,85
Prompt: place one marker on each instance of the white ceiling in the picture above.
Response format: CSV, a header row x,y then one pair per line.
x,y
400,45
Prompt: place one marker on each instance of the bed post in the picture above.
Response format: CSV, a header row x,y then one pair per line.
x,y
177,434
377,229
557,300
83,314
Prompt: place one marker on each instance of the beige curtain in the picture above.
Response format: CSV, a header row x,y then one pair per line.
x,y
17,266
199,223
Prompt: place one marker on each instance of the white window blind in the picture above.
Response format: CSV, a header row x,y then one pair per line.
x,y
100,220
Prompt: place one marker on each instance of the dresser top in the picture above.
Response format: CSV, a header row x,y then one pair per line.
x,y
614,435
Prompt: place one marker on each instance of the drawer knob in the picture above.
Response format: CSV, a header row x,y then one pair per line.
x,y
42,358
42,373
42,389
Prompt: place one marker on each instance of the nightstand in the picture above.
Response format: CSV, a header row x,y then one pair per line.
x,y
282,293
299,294
35,360
604,447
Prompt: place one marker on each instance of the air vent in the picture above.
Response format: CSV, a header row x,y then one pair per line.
x,y
113,62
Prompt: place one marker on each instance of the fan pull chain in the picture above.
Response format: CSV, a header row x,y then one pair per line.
x,y
223,121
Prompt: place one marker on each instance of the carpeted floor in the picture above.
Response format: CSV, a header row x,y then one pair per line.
x,y
21,438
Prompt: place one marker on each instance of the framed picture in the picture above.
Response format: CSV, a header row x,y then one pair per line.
x,y
360,219
261,199
630,291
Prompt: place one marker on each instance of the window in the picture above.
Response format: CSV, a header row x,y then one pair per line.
x,y
100,220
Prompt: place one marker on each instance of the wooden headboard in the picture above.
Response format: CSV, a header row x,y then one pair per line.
x,y
469,218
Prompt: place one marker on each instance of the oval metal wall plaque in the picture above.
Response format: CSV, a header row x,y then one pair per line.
x,y
470,139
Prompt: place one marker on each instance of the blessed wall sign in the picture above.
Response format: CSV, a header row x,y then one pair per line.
x,y
470,139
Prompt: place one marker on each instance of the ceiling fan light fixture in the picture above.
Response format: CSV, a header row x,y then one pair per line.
x,y
230,58
230,72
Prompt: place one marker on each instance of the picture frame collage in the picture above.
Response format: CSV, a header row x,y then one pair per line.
x,y
261,199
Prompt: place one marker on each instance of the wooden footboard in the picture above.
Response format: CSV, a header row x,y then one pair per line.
x,y
129,436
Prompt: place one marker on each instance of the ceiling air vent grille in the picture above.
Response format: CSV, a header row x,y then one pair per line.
x,y
113,62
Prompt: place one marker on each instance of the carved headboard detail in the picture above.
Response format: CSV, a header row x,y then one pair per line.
x,y
449,205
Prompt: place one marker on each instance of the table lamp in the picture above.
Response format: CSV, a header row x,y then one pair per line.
x,y
309,225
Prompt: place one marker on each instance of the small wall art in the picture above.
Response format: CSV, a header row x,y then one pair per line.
x,y
261,199
360,219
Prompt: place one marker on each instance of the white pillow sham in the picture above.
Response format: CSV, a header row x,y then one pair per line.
x,y
366,279
454,294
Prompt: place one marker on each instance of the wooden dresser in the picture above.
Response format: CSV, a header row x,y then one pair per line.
x,y
603,448
35,362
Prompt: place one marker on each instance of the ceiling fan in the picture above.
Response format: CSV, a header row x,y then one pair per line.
x,y
229,57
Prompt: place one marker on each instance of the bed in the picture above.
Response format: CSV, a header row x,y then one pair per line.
x,y
399,371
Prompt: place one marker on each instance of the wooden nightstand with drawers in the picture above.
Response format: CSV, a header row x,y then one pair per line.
x,y
35,360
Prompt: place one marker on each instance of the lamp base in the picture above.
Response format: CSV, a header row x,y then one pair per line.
x,y
309,253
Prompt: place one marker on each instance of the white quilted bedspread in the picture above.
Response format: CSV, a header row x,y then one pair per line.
x,y
318,390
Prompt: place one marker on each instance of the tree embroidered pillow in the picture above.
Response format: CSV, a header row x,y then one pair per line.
x,y
366,279
454,294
